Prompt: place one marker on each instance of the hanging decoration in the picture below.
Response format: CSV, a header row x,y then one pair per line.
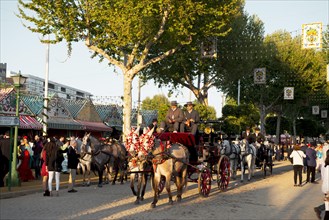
x,y
260,76
315,110
209,48
288,93
312,35
324,113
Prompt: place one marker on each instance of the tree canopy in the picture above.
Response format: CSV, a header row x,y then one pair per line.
x,y
131,35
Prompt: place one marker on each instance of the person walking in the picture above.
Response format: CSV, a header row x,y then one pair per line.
x,y
44,173
311,163
325,188
297,155
72,164
191,119
173,118
37,149
53,166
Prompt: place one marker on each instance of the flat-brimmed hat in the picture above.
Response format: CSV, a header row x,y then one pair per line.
x,y
189,103
173,103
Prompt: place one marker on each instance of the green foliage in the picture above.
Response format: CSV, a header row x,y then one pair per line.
x,y
159,103
271,122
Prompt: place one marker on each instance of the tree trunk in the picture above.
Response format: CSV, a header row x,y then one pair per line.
x,y
262,119
294,130
277,132
127,103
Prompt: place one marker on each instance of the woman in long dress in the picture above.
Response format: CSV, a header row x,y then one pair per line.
x,y
24,169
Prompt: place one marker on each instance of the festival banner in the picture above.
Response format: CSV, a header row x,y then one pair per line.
x,y
288,93
315,110
312,35
324,113
260,76
209,48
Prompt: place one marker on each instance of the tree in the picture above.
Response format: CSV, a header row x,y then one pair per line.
x,y
159,103
125,32
188,68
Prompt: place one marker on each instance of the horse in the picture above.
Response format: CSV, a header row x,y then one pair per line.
x,y
85,161
102,154
139,163
265,153
169,161
232,151
247,155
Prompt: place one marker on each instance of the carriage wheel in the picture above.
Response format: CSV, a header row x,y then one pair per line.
x,y
223,174
204,182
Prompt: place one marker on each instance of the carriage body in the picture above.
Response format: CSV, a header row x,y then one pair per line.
x,y
204,162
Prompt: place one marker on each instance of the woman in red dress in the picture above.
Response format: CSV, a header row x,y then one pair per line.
x,y
44,173
24,170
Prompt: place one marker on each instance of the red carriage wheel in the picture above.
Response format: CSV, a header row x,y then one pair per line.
x,y
204,183
223,175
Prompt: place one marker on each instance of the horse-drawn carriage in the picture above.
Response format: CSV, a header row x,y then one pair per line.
x,y
204,160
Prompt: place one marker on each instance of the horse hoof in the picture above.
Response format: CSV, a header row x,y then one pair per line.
x,y
153,205
171,202
179,199
137,202
88,184
100,185
142,198
113,183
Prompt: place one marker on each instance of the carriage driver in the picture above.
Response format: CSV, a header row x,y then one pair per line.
x,y
173,118
191,119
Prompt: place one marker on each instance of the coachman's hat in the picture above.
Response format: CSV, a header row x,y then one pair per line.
x,y
173,103
189,103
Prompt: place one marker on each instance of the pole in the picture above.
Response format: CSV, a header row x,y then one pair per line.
x,y
139,118
45,99
14,180
238,92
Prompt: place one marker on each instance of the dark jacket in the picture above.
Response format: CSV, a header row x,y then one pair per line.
x,y
72,158
310,157
54,157
177,115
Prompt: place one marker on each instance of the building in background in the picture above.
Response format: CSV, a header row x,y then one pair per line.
x,y
3,70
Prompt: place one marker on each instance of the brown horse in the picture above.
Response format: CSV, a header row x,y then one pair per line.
x,y
169,162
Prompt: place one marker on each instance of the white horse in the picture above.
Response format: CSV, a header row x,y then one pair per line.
x,y
233,152
85,161
247,155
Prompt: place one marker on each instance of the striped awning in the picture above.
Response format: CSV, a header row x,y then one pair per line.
x,y
63,123
94,126
29,122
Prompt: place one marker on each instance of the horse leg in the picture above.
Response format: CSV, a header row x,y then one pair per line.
x,y
250,166
156,181
100,177
242,169
168,178
83,174
144,182
88,173
132,183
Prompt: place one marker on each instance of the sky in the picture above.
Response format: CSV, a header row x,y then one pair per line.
x,y
22,50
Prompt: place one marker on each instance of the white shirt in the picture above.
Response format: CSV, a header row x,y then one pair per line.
x,y
297,157
325,178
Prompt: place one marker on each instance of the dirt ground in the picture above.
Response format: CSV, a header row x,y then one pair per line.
x,y
274,197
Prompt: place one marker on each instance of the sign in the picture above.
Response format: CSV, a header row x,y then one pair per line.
x,y
324,113
260,76
312,35
9,121
209,48
315,110
288,93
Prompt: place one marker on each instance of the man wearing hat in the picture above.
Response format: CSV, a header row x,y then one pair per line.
x,y
173,118
247,135
191,119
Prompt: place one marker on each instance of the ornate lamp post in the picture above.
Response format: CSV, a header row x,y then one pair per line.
x,y
18,80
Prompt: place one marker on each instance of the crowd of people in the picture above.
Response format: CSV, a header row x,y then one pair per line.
x,y
46,157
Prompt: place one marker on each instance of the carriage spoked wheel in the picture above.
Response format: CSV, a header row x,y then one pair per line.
x,y
204,182
223,172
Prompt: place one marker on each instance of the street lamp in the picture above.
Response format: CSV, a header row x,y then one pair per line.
x,y
18,80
